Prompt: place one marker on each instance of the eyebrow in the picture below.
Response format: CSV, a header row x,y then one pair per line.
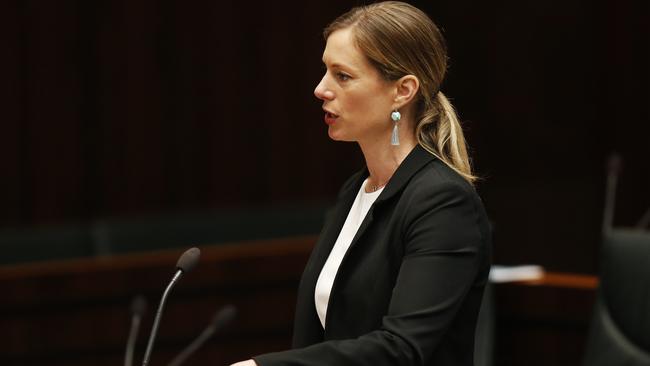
x,y
339,65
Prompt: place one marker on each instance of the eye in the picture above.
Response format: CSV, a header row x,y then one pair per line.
x,y
342,76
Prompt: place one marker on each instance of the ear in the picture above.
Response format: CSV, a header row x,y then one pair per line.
x,y
406,88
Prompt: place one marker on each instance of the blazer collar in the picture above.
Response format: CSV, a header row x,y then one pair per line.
x,y
414,161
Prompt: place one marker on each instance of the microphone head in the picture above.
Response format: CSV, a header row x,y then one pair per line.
x,y
224,316
139,305
189,259
614,163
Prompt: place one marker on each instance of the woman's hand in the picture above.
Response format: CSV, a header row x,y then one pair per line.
x,y
245,363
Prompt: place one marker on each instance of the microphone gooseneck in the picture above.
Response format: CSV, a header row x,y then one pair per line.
x,y
223,317
220,320
186,263
138,308
614,165
644,220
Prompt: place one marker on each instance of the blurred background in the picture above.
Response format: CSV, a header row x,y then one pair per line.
x,y
123,121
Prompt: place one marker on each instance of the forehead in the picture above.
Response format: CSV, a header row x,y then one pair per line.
x,y
342,50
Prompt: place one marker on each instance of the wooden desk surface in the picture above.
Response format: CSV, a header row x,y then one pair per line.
x,y
564,280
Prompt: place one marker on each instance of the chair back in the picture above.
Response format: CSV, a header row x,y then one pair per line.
x,y
620,327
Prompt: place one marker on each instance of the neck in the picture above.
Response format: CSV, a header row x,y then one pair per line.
x,y
383,159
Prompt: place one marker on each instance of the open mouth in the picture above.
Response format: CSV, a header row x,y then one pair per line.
x,y
330,118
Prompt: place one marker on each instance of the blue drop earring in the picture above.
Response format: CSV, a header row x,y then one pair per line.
x,y
394,138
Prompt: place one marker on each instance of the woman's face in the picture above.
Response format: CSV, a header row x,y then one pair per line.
x,y
357,101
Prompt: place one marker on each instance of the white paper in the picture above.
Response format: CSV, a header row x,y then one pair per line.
x,y
500,274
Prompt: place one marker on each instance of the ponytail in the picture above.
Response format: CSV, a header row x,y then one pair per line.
x,y
440,133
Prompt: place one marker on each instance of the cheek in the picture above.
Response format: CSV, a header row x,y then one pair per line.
x,y
365,104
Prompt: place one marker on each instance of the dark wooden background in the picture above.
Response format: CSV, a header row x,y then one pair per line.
x,y
118,108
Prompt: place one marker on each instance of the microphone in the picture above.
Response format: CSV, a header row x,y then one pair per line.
x,y
644,220
220,319
138,308
186,263
614,163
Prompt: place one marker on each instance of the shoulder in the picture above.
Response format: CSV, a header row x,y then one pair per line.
x,y
437,199
437,181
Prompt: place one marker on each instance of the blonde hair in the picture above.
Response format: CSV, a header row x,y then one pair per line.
x,y
399,39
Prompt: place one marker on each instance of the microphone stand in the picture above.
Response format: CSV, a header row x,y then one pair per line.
x,y
614,163
187,352
185,263
219,321
138,308
130,346
156,322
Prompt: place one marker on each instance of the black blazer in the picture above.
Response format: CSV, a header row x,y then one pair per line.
x,y
409,288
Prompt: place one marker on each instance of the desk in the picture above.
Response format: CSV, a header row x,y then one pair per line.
x,y
76,312
544,321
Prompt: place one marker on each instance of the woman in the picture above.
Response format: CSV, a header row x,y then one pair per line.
x,y
397,275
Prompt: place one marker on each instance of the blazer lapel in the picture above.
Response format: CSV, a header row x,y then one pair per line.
x,y
414,161
308,328
333,228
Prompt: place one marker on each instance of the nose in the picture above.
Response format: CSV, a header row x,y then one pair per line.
x,y
322,92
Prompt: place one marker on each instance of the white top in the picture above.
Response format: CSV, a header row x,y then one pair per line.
x,y
357,213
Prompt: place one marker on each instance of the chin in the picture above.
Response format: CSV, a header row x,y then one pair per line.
x,y
334,135
337,133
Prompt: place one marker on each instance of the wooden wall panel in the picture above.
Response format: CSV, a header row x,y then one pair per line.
x,y
129,108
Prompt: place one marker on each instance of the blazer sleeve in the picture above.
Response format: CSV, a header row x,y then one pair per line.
x,y
443,252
